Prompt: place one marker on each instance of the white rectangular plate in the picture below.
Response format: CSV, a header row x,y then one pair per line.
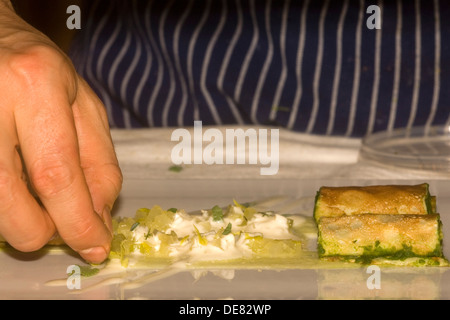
x,y
26,276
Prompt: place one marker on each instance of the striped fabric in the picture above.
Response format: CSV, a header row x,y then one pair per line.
x,y
311,66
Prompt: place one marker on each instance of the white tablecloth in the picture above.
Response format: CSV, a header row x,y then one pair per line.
x,y
146,153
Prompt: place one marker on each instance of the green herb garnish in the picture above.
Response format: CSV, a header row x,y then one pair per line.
x,y
175,168
281,108
134,226
227,229
174,210
217,213
86,271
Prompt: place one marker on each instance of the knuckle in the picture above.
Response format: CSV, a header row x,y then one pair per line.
x,y
50,178
116,177
39,64
86,234
114,180
79,234
36,60
107,176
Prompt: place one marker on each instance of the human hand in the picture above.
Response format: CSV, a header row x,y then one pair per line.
x,y
58,170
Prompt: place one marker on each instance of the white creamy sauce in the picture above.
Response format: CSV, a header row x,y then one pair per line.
x,y
183,224
228,248
139,234
273,227
202,237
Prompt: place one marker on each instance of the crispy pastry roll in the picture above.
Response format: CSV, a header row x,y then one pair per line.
x,y
379,235
389,199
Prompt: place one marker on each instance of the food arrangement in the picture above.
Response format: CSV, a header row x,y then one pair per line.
x,y
392,224
384,224
388,224
238,233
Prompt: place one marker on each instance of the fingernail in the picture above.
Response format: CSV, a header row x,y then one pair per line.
x,y
94,255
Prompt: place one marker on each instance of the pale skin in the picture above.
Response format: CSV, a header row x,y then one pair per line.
x,y
59,174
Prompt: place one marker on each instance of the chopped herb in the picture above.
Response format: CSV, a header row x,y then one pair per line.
x,y
243,206
281,108
134,226
227,229
201,239
174,210
237,204
175,168
184,239
86,271
217,213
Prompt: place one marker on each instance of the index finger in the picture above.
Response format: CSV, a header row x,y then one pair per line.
x,y
48,140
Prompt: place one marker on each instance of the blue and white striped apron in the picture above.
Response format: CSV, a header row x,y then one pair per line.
x,y
311,66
